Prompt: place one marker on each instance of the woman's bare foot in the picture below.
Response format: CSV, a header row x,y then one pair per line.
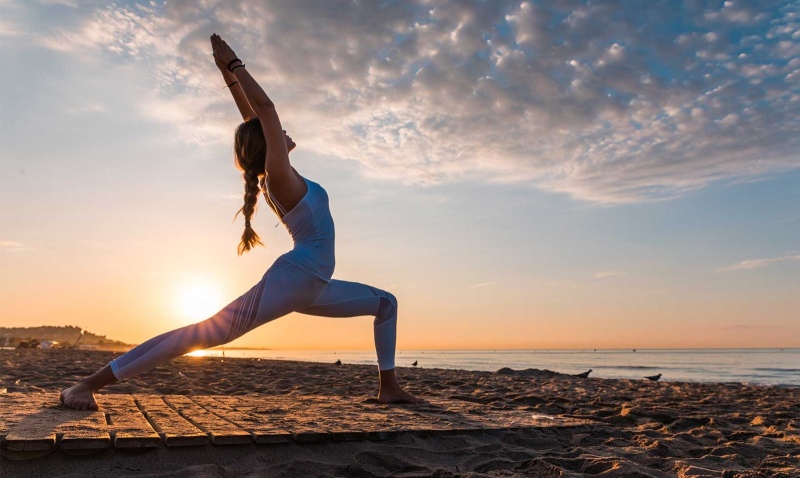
x,y
398,396
392,392
79,397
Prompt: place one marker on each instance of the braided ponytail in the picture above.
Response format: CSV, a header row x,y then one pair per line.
x,y
252,184
250,150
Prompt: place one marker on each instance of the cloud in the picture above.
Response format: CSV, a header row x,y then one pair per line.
x,y
607,102
605,274
481,284
12,246
759,263
66,3
87,108
225,197
8,30
752,327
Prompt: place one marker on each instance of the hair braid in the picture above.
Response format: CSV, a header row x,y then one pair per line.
x,y
252,187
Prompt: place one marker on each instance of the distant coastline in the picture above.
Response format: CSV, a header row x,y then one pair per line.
x,y
58,337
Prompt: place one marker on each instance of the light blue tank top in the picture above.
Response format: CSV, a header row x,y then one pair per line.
x,y
311,226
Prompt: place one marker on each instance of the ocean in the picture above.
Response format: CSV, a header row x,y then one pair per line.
x,y
753,366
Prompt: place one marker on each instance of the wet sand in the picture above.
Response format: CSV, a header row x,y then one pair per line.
x,y
640,428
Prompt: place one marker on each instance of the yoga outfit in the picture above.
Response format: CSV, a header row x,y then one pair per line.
x,y
299,281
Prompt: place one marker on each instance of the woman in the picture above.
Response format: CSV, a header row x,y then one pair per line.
x,y
298,281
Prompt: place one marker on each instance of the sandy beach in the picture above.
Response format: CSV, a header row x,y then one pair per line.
x,y
638,428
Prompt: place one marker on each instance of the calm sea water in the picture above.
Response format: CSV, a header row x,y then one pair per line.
x,y
756,366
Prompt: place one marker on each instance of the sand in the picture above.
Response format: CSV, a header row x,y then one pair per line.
x,y
638,428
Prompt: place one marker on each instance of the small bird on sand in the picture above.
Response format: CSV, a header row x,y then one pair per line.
x,y
414,364
338,362
584,374
654,377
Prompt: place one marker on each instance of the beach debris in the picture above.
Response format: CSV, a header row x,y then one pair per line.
x,y
338,362
414,364
584,374
654,378
530,372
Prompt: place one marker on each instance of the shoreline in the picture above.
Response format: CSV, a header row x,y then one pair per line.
x,y
637,428
755,367
110,354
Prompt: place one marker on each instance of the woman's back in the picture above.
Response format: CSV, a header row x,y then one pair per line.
x,y
311,226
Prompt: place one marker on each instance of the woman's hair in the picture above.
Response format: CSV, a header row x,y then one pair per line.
x,y
250,150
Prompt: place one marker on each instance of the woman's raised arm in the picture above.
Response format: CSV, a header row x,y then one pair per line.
x,y
236,90
277,161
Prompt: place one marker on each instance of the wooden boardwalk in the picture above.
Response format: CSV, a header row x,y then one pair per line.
x,y
34,425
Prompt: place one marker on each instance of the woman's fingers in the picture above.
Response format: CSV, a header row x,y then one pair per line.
x,y
222,52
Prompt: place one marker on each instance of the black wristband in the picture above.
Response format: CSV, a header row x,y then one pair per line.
x,y
237,81
237,66
230,62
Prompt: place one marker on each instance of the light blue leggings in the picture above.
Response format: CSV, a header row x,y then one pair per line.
x,y
284,288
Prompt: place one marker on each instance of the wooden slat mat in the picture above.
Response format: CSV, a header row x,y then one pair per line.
x,y
35,424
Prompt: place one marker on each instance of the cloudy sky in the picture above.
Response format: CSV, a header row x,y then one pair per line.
x,y
522,175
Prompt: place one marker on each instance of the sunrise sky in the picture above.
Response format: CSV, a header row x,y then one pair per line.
x,y
520,175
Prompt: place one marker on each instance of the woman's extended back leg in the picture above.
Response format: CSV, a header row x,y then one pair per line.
x,y
282,290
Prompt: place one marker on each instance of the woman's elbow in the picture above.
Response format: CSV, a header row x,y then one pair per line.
x,y
263,107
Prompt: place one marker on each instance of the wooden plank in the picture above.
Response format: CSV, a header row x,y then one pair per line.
x,y
173,428
318,418
263,429
14,407
82,431
335,416
128,426
221,431
374,424
39,419
300,416
246,403
33,432
286,413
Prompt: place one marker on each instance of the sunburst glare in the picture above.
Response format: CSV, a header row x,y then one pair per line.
x,y
198,299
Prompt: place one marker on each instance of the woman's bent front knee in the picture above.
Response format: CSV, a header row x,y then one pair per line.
x,y
387,307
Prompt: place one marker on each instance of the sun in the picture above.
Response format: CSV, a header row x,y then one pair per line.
x,y
198,299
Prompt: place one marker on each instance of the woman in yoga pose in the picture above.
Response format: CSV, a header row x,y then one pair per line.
x,y
299,280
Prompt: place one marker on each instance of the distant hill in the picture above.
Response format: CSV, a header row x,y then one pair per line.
x,y
66,336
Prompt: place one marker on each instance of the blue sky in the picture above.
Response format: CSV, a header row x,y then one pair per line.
x,y
555,174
